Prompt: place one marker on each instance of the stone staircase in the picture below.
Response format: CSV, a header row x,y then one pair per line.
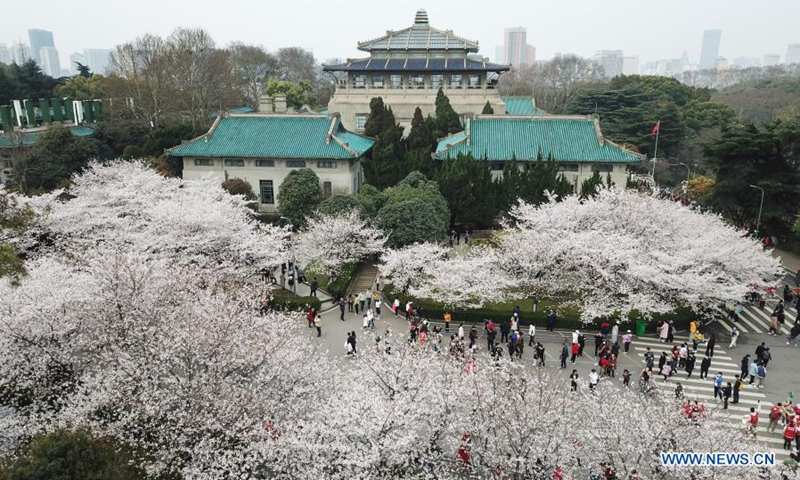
x,y
365,278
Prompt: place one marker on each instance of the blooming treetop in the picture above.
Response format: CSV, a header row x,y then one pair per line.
x,y
131,206
329,241
616,252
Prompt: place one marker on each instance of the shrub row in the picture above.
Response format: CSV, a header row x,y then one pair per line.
x,y
566,318
286,300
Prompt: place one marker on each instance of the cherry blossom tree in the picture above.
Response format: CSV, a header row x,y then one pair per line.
x,y
128,204
330,241
611,254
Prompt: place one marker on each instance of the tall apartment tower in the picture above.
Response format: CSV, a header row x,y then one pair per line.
x,y
612,62
39,39
792,53
516,50
49,61
98,59
5,54
771,59
710,49
20,53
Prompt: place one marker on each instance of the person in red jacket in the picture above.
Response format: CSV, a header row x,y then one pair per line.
x,y
464,450
576,349
789,434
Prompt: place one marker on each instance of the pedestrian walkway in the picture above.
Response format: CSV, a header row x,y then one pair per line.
x,y
365,278
790,261
756,320
703,391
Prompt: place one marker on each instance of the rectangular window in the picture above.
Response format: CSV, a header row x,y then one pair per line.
x,y
437,81
416,81
327,189
455,81
396,81
604,167
359,81
474,81
361,122
377,81
234,162
326,164
295,163
204,162
267,193
567,167
265,163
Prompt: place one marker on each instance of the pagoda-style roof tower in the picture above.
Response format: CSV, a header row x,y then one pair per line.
x,y
419,47
408,67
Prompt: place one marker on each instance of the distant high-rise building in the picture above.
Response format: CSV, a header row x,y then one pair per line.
x,y
516,50
721,64
98,59
49,61
74,60
5,54
792,53
630,66
772,59
39,39
498,54
710,49
746,62
612,62
20,53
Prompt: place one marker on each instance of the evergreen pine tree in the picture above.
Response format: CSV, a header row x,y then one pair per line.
x,y
590,186
487,109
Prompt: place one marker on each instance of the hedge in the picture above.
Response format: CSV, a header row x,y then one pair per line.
x,y
567,317
337,286
286,300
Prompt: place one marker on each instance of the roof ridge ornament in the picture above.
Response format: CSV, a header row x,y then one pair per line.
x,y
421,18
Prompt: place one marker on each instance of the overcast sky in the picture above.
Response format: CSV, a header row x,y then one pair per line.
x,y
649,29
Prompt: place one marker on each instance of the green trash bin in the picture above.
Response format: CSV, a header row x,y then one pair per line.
x,y
641,327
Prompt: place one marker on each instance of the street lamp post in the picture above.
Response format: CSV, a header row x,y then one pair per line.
x,y
688,171
760,207
291,252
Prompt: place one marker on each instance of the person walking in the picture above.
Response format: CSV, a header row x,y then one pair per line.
x,y
690,361
774,417
564,354
448,317
573,381
718,381
726,394
712,341
313,286
794,335
766,357
752,370
378,307
318,325
789,434
473,336
551,321
594,378
705,365
531,334
396,308
614,333
312,313
626,341
761,373
505,328
341,309
581,344
663,332
461,332
734,336
362,299
745,367
575,349
409,309
598,342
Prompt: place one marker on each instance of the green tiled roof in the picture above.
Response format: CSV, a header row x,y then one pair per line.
x,y
275,136
522,106
420,36
29,138
568,138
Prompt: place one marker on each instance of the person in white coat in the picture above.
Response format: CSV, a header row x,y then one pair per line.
x,y
461,332
531,335
575,336
614,333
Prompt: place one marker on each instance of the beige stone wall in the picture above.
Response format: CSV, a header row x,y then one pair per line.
x,y
346,178
349,102
619,174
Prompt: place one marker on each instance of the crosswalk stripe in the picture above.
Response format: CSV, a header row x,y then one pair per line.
x,y
729,325
668,346
754,324
766,318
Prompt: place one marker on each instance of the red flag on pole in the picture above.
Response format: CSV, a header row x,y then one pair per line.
x,y
655,129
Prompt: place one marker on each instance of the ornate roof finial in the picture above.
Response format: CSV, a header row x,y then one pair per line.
x,y
421,18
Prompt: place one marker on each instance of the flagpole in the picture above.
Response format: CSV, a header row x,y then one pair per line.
x,y
655,151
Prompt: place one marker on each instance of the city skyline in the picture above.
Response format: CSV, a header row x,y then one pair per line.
x,y
637,35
